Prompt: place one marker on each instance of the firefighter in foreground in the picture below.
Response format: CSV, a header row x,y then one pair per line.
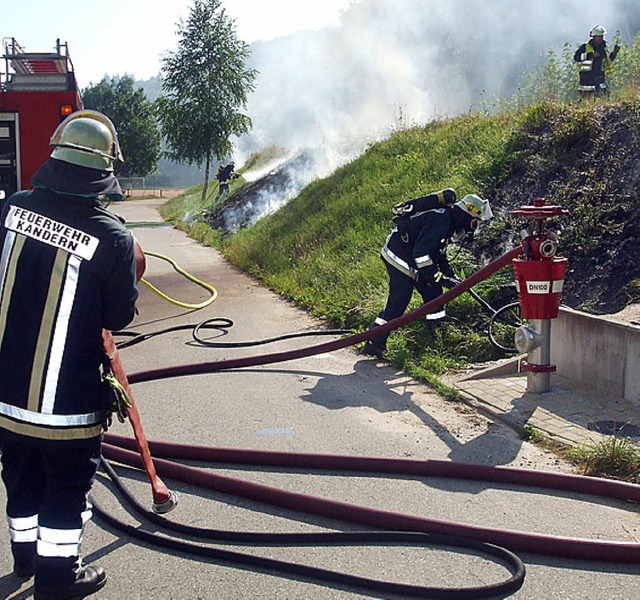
x,y
67,271
594,60
414,252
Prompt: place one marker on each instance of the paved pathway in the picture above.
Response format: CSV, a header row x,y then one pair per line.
x,y
566,413
338,403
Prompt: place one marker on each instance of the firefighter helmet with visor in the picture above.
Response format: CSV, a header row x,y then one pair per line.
x,y
87,138
476,207
598,30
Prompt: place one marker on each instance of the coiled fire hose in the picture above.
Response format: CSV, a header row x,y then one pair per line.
x,y
387,538
220,324
118,448
541,544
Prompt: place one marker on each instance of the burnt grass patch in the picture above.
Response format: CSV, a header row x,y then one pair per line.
x,y
586,159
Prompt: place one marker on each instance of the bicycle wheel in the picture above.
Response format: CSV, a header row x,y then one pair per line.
x,y
503,325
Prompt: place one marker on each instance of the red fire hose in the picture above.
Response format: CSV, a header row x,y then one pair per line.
x,y
498,542
264,359
163,499
115,448
541,544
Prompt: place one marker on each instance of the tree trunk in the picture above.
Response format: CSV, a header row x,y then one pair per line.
x,y
207,165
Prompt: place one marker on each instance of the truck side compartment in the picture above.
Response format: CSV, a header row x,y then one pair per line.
x,y
37,91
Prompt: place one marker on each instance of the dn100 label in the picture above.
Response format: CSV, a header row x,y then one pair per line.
x,y
545,287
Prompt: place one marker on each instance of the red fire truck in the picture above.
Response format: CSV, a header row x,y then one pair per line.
x,y
37,91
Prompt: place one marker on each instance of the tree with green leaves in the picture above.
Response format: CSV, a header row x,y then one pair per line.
x,y
205,85
134,119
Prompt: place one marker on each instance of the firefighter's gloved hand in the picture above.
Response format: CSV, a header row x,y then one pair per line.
x,y
427,275
447,270
443,265
118,401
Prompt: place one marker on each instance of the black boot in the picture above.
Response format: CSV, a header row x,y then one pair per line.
x,y
24,571
90,580
371,349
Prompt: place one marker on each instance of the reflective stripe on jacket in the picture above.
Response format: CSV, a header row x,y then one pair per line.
x,y
67,270
585,65
424,235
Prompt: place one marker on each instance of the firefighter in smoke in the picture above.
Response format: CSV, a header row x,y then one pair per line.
x,y
414,252
67,271
224,175
594,61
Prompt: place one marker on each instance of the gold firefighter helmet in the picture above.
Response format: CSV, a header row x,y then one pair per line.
x,y
87,138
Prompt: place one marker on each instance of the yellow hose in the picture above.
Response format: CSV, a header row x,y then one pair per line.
x,y
174,264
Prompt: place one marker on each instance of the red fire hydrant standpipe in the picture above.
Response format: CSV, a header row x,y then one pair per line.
x,y
539,281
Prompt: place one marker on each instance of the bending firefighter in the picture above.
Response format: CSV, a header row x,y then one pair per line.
x,y
67,270
414,252
594,60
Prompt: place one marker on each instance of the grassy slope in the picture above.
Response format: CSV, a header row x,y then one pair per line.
x,y
322,249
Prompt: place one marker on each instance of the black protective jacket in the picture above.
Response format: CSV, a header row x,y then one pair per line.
x,y
225,173
592,69
416,246
67,270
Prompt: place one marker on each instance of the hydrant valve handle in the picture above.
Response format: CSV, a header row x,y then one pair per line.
x,y
540,212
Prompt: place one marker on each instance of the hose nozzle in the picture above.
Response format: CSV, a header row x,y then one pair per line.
x,y
162,508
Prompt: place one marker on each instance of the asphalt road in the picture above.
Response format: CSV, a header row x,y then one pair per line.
x,y
337,403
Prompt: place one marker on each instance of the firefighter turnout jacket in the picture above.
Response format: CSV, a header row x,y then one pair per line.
x,y
591,68
67,270
416,245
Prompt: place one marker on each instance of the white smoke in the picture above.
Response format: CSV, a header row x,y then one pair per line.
x,y
424,58
273,189
396,63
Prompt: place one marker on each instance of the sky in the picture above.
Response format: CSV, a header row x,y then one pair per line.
x,y
355,70
129,36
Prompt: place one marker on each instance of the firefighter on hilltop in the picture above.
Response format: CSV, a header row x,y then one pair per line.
x,y
594,61
414,252
68,271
